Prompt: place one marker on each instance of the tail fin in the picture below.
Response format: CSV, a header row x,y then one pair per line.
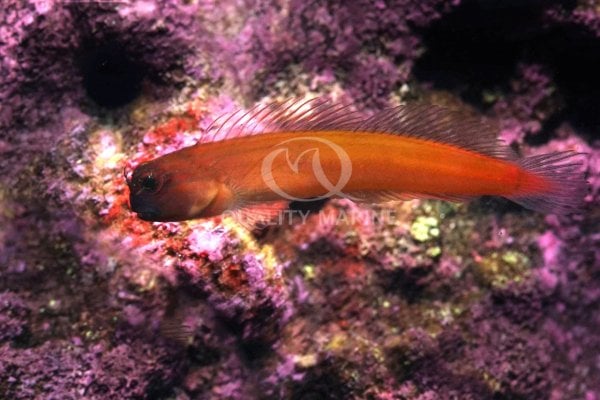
x,y
555,182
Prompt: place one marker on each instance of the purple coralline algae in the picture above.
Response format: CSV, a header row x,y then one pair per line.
x,y
59,54
102,371
529,104
414,300
368,46
13,317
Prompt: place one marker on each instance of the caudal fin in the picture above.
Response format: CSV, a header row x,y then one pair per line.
x,y
555,182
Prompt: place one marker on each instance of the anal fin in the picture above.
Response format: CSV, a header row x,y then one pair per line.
x,y
387,196
255,215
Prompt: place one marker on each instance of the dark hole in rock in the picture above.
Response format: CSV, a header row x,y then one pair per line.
x,y
406,282
478,47
111,77
575,59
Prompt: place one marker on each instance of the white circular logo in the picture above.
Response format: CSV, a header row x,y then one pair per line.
x,y
317,168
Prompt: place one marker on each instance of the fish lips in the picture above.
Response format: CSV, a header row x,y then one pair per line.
x,y
149,215
144,210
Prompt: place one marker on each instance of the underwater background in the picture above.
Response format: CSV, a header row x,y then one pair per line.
x,y
478,300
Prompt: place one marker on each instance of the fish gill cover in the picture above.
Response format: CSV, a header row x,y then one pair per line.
x,y
415,300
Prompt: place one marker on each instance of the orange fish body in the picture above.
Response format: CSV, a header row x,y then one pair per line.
x,y
407,152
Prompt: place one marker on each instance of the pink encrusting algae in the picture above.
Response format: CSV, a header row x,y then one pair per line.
x,y
218,257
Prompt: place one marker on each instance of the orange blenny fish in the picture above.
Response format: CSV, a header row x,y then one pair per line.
x,y
301,150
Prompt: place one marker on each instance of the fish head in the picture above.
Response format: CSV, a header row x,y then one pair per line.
x,y
161,190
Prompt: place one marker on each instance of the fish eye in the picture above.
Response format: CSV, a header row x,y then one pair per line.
x,y
150,184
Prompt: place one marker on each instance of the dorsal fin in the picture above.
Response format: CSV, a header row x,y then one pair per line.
x,y
423,121
439,124
291,115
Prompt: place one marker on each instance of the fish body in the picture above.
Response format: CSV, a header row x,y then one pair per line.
x,y
318,151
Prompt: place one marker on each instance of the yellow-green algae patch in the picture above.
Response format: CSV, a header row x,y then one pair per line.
x,y
501,268
424,228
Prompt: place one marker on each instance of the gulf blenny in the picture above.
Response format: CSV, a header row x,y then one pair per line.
x,y
311,149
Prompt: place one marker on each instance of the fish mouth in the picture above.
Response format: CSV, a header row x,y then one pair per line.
x,y
145,211
148,215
